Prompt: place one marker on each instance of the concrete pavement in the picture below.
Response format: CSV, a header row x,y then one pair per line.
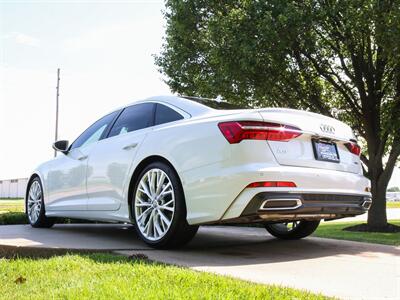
x,y
348,270
105,237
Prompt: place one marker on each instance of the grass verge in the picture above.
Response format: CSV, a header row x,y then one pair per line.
x,y
105,276
16,205
13,218
335,231
12,212
393,204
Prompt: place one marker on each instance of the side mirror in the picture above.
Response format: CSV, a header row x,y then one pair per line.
x,y
61,146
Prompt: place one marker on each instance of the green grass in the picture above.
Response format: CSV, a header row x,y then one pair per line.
x,y
12,212
105,276
13,218
15,205
335,231
393,204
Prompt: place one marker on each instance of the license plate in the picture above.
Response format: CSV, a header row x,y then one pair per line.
x,y
325,151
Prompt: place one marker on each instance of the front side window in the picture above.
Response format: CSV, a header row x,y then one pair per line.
x,y
94,132
133,118
164,114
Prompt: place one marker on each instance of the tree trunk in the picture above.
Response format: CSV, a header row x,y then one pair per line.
x,y
377,218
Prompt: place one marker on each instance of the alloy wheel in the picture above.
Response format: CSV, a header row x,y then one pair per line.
x,y
154,204
34,204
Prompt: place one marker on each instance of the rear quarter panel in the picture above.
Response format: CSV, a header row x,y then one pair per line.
x,y
200,154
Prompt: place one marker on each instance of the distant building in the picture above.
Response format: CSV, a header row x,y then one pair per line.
x,y
13,188
393,196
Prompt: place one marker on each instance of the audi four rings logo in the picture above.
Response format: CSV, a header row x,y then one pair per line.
x,y
327,128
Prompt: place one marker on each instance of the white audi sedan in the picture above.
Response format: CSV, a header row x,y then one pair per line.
x,y
169,164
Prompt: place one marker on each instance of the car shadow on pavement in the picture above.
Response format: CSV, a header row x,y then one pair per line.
x,y
212,246
233,246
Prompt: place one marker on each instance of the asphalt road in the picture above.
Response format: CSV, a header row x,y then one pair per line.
x,y
343,269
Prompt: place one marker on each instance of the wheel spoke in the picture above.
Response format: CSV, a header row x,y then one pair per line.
x,y
142,203
164,218
163,207
157,225
160,183
151,182
37,211
144,189
165,193
149,223
31,215
167,186
145,213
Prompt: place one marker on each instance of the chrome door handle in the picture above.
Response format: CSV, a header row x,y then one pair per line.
x,y
83,157
130,146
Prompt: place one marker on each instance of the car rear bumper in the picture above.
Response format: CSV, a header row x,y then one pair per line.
x,y
289,206
281,206
223,194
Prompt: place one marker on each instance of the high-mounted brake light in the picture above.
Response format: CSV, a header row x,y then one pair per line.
x,y
237,131
353,148
272,184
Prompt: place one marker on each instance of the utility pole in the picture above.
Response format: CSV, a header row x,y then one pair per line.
x,y
58,93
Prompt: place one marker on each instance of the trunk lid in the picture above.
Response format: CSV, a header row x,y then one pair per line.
x,y
315,127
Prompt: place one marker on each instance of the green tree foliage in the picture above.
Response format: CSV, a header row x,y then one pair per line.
x,y
339,58
394,189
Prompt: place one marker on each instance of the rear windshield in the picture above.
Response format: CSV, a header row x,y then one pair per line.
x,y
215,104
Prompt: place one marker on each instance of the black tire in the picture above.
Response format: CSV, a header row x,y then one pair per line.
x,y
42,221
180,232
301,230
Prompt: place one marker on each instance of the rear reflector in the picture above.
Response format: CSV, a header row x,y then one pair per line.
x,y
237,131
272,184
353,148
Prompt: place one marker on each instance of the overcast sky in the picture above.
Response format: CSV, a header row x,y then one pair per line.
x,y
104,50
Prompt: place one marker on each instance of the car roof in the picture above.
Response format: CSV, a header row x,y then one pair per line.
x,y
191,107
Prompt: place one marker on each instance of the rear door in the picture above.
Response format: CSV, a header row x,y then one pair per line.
x,y
110,160
321,144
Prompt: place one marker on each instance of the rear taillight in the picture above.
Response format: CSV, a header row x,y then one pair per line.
x,y
353,148
237,131
271,184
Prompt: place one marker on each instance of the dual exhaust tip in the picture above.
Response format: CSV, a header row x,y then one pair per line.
x,y
294,203
281,204
367,203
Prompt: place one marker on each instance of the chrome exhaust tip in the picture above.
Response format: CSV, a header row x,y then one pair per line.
x,y
281,204
367,204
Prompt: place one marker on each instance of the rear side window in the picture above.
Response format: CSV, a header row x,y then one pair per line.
x,y
164,114
133,118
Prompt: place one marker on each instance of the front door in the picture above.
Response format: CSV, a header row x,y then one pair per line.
x,y
67,177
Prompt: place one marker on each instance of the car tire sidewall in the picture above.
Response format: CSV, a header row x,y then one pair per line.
x,y
180,206
304,229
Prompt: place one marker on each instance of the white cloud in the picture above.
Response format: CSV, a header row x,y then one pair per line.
x,y
23,39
